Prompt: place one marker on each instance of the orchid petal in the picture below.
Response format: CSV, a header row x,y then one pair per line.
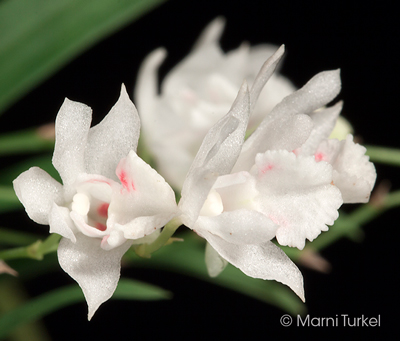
x,y
265,261
145,203
319,91
205,57
216,156
324,121
37,191
353,173
113,138
284,133
214,262
211,34
96,271
146,89
239,226
297,194
236,191
72,128
316,93
264,75
60,222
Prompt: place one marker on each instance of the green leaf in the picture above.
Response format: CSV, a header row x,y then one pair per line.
x,y
24,141
13,295
8,199
137,290
389,156
43,305
16,238
8,174
38,37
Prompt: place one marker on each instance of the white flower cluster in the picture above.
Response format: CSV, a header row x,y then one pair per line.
x,y
286,181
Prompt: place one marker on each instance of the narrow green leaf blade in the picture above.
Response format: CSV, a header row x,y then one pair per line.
x,y
385,155
39,36
8,199
24,141
59,298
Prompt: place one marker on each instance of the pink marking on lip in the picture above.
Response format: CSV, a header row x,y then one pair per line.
x,y
102,210
266,168
279,220
320,157
129,185
100,226
296,151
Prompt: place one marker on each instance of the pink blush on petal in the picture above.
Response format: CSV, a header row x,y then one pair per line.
x,y
320,157
125,182
266,168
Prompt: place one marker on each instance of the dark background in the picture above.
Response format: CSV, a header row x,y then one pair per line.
x,y
358,37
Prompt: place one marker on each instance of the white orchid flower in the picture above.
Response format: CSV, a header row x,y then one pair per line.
x,y
109,199
239,213
287,180
195,94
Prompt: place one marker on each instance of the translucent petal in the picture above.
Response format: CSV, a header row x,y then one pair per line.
x,y
239,60
342,129
60,222
353,173
296,193
265,261
277,88
97,271
319,91
113,138
324,121
237,191
286,133
214,262
205,57
316,93
259,54
211,34
72,128
37,191
146,90
216,156
264,75
239,226
145,203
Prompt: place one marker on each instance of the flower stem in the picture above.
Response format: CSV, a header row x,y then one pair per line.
x,y
36,250
145,250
